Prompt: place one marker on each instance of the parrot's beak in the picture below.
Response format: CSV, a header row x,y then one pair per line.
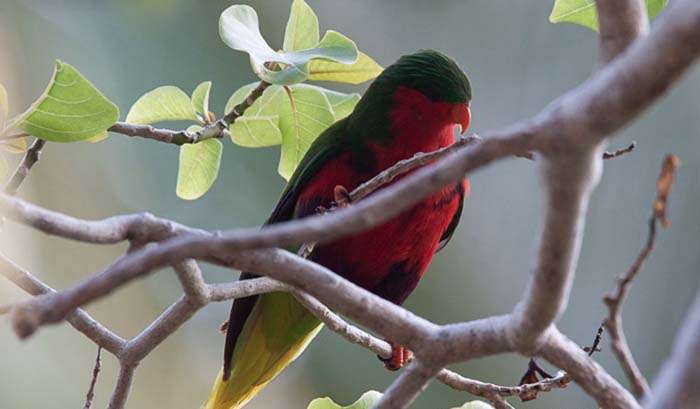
x,y
462,117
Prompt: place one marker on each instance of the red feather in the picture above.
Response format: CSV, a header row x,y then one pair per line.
x,y
391,258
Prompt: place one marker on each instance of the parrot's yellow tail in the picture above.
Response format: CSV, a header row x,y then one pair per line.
x,y
275,334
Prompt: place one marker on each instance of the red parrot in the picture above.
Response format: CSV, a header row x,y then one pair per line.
x,y
413,106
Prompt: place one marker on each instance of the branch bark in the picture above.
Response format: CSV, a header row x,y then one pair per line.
x,y
620,23
31,157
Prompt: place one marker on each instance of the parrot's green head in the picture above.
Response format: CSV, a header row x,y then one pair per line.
x,y
430,72
426,84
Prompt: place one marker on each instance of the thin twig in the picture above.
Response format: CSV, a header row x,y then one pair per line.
x,y
619,152
606,155
217,129
614,301
404,166
595,346
31,157
95,372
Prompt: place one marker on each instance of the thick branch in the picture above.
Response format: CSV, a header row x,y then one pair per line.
x,y
569,182
620,23
140,227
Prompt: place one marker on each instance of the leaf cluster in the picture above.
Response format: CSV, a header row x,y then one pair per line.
x,y
289,113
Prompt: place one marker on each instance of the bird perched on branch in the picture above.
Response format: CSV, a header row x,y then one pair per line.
x,y
413,106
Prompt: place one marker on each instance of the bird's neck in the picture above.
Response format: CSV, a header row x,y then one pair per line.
x,y
416,124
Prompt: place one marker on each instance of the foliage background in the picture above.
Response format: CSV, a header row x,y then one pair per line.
x,y
517,62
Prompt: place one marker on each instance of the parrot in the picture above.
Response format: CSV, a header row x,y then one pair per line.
x,y
413,106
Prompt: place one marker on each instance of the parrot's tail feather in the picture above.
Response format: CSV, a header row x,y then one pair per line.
x,y
275,334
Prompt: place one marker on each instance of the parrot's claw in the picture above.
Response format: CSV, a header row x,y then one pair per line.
x,y
341,196
400,356
224,327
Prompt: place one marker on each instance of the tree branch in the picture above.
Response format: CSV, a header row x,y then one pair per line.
x,y
122,388
217,129
80,320
95,372
31,157
620,23
568,137
619,152
565,354
412,381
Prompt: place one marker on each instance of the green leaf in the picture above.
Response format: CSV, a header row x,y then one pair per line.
x,y
364,69
71,109
239,29
4,107
99,137
583,12
256,132
273,119
475,404
166,103
301,121
302,28
199,167
15,145
200,98
366,401
342,104
258,127
333,47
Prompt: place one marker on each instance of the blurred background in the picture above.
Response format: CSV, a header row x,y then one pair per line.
x,y
518,63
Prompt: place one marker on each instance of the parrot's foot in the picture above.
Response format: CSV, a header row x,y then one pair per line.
x,y
341,196
223,327
400,356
